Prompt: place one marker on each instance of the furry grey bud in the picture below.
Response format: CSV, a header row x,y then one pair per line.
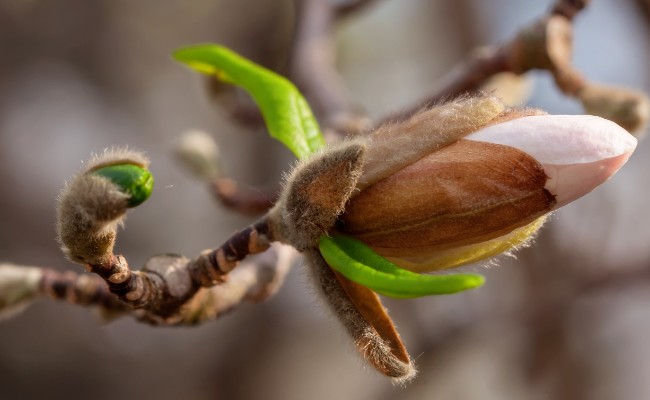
x,y
91,207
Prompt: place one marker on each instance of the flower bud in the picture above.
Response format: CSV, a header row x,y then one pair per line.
x,y
487,192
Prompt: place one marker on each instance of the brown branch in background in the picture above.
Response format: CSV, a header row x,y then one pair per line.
x,y
256,280
569,8
84,290
544,45
645,7
167,282
313,69
211,266
199,153
246,201
237,103
345,8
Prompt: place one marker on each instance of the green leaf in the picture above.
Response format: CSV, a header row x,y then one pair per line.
x,y
286,112
132,179
359,263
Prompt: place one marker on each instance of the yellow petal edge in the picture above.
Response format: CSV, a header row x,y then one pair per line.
x,y
452,258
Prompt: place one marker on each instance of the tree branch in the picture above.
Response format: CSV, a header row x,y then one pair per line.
x,y
313,69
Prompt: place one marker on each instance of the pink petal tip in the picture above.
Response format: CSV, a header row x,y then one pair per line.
x,y
578,152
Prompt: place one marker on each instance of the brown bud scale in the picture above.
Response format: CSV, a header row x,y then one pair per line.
x,y
465,193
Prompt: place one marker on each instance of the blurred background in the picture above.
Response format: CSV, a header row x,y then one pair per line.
x,y
568,319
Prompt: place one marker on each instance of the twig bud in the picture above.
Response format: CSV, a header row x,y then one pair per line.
x,y
94,202
628,108
200,154
18,286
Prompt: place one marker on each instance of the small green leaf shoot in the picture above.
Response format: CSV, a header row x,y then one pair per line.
x,y
359,263
286,112
132,179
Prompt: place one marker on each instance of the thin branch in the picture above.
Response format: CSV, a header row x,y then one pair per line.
x,y
244,200
645,7
237,103
256,280
569,8
210,268
199,154
544,44
346,8
313,69
80,289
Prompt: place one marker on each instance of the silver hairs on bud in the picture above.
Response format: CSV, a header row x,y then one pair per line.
x,y
91,207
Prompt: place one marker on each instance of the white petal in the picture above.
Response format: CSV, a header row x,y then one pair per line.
x,y
578,152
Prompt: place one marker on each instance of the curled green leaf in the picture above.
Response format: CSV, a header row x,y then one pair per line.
x,y
359,263
132,179
286,112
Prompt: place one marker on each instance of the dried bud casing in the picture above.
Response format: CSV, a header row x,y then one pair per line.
x,y
360,311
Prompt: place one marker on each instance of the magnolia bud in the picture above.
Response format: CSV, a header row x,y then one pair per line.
x,y
485,193
450,185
